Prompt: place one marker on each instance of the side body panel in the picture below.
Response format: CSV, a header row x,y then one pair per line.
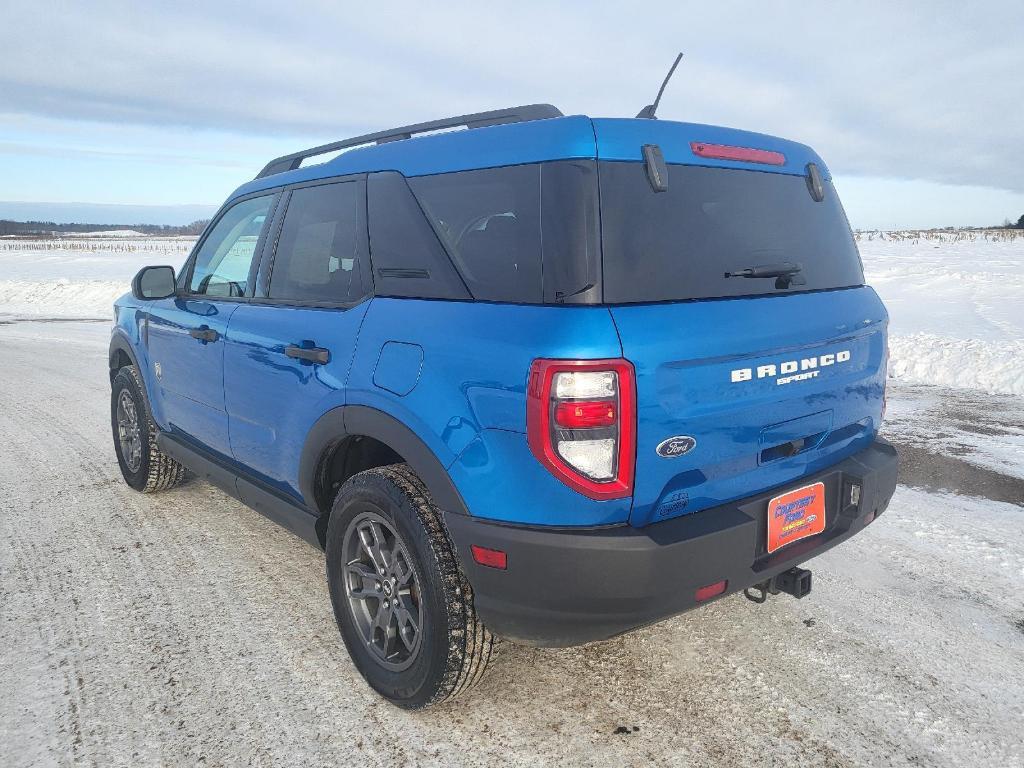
x,y
273,400
468,403
190,383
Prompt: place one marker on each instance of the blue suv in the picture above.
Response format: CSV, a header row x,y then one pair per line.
x,y
543,378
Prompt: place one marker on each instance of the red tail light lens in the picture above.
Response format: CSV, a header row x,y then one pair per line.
x,y
742,154
583,415
581,423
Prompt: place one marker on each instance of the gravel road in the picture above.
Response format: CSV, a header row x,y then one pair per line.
x,y
184,629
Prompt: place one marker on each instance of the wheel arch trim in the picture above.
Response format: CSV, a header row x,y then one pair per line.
x,y
119,342
348,420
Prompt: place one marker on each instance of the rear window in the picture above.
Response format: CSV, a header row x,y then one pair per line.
x,y
678,244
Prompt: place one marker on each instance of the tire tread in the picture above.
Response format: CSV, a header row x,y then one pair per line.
x,y
471,644
163,471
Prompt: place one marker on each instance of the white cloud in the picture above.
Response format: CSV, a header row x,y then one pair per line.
x,y
906,90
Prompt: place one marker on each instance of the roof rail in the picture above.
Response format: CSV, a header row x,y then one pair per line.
x,y
479,120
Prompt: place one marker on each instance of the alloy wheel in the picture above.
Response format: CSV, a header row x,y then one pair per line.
x,y
129,435
383,590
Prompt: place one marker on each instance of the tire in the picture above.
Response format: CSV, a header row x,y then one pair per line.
x,y
389,510
144,467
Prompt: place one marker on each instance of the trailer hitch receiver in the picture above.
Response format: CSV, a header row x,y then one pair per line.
x,y
795,582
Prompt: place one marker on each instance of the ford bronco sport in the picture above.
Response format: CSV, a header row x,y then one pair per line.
x,y
551,378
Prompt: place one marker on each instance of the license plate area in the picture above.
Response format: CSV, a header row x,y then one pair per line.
x,y
796,515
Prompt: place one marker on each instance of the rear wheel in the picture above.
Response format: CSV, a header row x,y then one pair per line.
x,y
402,603
144,466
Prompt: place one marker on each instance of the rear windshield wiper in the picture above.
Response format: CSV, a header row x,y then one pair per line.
x,y
785,269
787,273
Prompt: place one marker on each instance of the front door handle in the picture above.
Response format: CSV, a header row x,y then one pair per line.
x,y
310,354
204,334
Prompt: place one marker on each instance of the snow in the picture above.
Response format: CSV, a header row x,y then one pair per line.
x,y
956,300
183,628
956,306
983,430
908,652
78,277
107,233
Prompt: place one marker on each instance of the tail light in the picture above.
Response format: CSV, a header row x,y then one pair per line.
x,y
740,154
581,423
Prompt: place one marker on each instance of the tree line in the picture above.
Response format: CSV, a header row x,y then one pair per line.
x,y
50,228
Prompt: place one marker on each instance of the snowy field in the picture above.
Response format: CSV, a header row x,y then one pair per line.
x,y
184,629
956,299
78,276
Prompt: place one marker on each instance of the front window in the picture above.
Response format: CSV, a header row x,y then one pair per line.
x,y
223,262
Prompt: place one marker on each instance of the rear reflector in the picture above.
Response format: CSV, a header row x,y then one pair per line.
x,y
741,154
492,558
711,590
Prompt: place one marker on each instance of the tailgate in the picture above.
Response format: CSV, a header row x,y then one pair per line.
x,y
767,389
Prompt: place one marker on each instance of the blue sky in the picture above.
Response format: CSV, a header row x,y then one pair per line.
x,y
913,105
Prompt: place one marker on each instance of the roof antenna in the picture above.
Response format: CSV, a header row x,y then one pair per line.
x,y
648,112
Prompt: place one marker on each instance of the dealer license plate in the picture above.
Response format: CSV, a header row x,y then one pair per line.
x,y
795,515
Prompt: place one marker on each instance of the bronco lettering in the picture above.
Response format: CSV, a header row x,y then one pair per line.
x,y
809,364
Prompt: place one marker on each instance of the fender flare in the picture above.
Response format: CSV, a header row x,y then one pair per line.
x,y
346,420
119,342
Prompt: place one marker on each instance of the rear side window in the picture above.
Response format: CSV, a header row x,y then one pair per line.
x,y
408,259
523,234
221,267
678,244
321,244
490,223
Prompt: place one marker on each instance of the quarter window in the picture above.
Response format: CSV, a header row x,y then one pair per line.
x,y
490,222
521,233
222,264
321,244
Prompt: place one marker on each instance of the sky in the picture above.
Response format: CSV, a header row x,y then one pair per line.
x,y
915,106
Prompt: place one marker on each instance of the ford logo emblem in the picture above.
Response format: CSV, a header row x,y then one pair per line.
x,y
676,446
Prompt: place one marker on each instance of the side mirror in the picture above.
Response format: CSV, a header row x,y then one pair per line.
x,y
154,283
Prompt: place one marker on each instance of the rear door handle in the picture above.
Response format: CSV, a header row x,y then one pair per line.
x,y
310,354
204,334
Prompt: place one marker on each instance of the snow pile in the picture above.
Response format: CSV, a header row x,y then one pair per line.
x,y
107,233
956,306
62,298
926,358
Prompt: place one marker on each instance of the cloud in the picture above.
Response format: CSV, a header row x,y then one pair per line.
x,y
902,90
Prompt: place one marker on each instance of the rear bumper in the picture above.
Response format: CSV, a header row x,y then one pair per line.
x,y
568,587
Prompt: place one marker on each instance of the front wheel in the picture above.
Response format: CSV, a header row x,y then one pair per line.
x,y
403,606
144,466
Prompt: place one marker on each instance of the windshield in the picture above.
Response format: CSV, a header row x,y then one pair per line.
x,y
678,244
